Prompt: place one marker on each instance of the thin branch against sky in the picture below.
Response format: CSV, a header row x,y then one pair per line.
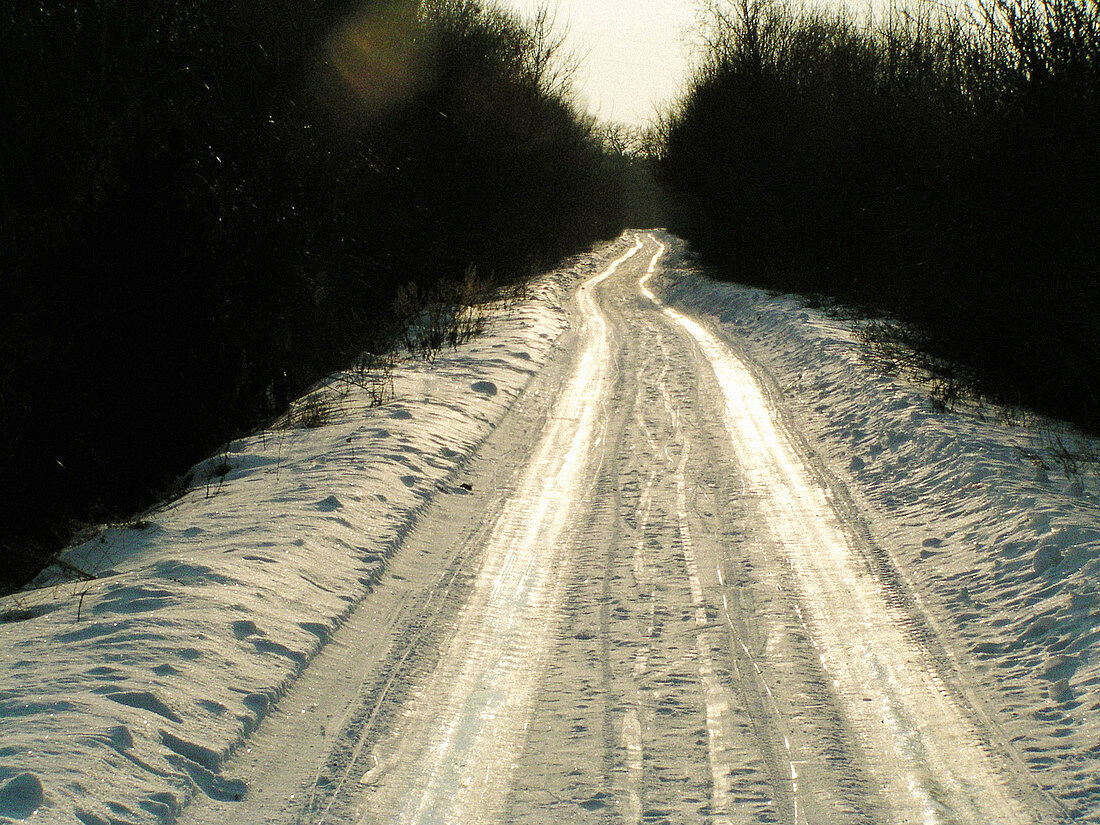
x,y
633,55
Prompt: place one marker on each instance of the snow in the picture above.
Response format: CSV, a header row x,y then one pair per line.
x,y
1000,544
123,696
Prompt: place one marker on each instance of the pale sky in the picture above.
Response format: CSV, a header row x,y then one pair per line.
x,y
636,54
633,54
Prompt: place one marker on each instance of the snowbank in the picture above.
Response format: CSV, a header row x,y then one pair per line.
x,y
123,696
981,519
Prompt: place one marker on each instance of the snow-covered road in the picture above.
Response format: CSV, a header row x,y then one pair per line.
x,y
651,602
606,658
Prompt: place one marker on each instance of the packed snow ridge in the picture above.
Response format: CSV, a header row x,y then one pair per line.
x,y
124,696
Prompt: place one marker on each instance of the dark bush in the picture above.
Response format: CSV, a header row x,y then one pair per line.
x,y
205,207
939,168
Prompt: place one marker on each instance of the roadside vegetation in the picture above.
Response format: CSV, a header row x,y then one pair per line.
x,y
939,168
206,207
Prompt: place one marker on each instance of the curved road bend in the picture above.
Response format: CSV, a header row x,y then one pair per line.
x,y
656,615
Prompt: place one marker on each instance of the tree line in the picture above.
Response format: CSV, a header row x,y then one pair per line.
x,y
207,206
939,167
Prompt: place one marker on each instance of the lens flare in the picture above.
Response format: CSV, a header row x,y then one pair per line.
x,y
378,55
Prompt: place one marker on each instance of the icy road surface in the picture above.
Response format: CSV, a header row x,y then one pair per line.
x,y
654,550
655,613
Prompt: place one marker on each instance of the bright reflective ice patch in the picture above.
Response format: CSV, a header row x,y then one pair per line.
x,y
924,752
453,754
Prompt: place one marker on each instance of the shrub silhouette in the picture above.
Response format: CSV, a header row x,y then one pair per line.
x,y
201,214
939,168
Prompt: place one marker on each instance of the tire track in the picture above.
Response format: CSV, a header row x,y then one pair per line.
x,y
451,757
725,751
934,766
